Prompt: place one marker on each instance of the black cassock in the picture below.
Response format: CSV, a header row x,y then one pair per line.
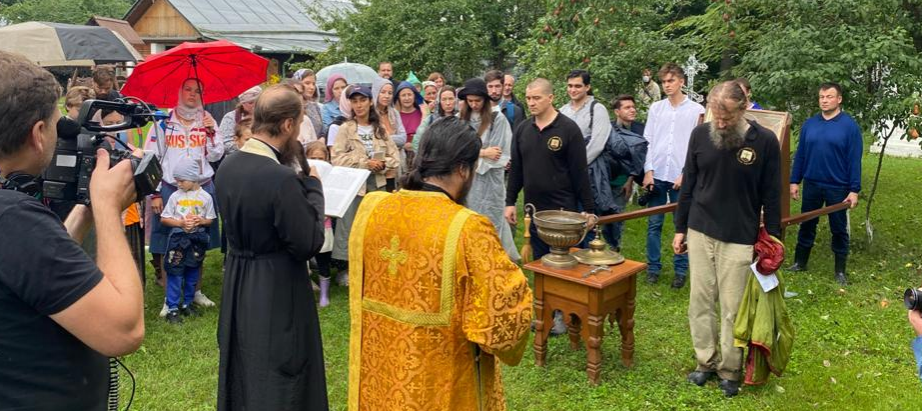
x,y
271,356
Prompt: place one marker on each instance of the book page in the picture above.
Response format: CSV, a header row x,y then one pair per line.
x,y
340,186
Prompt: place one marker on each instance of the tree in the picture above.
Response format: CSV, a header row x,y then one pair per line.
x,y
613,40
62,11
460,38
873,57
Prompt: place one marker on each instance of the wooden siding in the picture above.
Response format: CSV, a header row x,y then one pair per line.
x,y
161,20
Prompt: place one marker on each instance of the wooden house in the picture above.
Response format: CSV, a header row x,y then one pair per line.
x,y
280,30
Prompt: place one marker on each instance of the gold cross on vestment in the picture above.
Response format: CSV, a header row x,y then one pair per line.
x,y
394,255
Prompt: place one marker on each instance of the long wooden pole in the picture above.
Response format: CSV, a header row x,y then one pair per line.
x,y
669,208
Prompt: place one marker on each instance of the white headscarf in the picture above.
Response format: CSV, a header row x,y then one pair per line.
x,y
250,95
189,113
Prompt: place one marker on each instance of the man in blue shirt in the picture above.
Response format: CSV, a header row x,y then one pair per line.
x,y
828,161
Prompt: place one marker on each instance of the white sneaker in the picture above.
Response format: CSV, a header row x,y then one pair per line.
x,y
202,300
164,310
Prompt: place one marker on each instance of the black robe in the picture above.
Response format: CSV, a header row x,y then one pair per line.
x,y
271,356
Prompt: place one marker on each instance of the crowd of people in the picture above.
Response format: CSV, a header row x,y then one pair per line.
x,y
437,298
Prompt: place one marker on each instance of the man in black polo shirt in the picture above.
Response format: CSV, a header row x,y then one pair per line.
x,y
549,149
732,176
60,314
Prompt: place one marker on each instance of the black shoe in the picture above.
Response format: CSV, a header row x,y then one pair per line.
x,y
173,317
700,378
678,282
840,270
189,311
796,267
652,277
841,279
559,326
730,388
801,256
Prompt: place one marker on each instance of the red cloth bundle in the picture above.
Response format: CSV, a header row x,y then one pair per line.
x,y
770,252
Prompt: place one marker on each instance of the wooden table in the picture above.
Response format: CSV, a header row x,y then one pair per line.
x,y
586,301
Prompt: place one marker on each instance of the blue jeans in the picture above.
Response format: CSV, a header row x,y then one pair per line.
x,y
184,284
538,248
664,193
816,197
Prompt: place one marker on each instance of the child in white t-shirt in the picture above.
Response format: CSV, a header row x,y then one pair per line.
x,y
189,211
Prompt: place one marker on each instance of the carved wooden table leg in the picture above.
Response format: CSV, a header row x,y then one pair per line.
x,y
540,346
573,328
626,326
596,323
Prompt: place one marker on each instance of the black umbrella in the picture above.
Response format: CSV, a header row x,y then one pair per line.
x,y
58,44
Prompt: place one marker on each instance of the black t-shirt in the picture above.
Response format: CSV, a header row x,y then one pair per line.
x,y
42,272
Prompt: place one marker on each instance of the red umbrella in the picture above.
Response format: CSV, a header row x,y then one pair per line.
x,y
224,68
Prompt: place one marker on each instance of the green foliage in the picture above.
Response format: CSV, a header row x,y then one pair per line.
x,y
863,45
62,11
460,38
614,41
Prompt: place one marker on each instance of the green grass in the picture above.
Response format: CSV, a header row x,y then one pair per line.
x,y
850,352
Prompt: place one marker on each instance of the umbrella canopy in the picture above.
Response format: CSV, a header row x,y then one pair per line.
x,y
57,44
224,68
353,72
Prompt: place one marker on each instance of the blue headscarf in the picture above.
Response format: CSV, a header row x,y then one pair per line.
x,y
406,85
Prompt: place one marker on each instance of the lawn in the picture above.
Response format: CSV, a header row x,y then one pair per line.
x,y
852,349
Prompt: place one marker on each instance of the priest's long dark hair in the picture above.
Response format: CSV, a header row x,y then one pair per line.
x,y
449,143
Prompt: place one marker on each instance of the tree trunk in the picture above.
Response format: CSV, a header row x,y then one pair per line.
x,y
880,162
727,62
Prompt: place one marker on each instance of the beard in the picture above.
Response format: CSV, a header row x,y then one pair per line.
x,y
729,138
291,153
497,98
462,195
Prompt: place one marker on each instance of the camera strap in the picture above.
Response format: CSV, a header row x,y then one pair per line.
x,y
24,183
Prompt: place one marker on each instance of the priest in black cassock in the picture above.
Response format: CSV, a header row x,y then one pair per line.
x,y
271,356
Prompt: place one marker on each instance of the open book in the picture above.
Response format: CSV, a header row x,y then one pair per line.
x,y
340,186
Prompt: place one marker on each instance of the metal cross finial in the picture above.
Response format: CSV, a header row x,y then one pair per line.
x,y
691,68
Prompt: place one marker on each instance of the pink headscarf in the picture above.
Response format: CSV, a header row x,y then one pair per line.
x,y
345,105
328,96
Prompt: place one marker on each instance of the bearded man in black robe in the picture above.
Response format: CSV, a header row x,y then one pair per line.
x,y
271,356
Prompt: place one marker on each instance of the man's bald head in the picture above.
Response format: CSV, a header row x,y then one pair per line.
x,y
541,85
539,95
274,106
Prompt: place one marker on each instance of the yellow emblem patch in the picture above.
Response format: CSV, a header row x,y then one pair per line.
x,y
554,143
746,156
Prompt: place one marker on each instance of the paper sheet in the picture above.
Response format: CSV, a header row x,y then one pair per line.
x,y
768,282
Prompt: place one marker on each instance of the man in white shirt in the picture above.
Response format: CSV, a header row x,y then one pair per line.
x,y
669,126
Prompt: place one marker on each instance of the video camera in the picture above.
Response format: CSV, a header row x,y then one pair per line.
x,y
912,299
68,176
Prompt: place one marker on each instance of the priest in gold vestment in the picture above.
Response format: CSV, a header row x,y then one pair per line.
x,y
435,302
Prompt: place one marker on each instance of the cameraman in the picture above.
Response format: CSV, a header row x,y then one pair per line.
x,y
60,314
915,319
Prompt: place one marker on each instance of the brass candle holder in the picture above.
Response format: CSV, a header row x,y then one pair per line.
x,y
598,253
